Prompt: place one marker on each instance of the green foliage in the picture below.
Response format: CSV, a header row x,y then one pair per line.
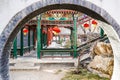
x,y
85,75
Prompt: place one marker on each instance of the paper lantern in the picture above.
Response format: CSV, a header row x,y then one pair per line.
x,y
55,33
56,29
94,22
25,31
86,25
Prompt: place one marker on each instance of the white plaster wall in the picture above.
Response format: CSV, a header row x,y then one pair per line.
x,y
111,6
8,8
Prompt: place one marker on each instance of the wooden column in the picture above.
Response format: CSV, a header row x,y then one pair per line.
x,y
38,37
75,37
15,48
22,43
29,39
42,38
71,39
33,39
101,32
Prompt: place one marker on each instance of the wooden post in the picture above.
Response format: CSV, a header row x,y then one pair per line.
x,y
21,42
101,32
15,48
75,37
71,39
38,37
42,38
29,39
33,38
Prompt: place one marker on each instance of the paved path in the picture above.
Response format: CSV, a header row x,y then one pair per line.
x,y
37,75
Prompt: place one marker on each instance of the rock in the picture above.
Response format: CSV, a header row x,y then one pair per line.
x,y
102,66
84,56
102,63
101,48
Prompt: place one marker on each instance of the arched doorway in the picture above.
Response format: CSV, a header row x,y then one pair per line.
x,y
31,11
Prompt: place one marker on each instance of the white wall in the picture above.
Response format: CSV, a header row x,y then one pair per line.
x,y
111,6
8,8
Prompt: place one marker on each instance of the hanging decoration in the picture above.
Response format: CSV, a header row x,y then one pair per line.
x,y
86,25
94,22
25,31
55,33
56,29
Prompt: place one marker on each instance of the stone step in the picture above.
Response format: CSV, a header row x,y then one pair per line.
x,y
24,64
43,60
23,68
36,64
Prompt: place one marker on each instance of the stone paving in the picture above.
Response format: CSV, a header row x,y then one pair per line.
x,y
36,75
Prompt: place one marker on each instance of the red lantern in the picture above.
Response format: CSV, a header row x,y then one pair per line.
x,y
86,25
94,22
56,29
25,31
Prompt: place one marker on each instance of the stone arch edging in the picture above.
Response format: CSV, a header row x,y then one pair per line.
x,y
7,34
